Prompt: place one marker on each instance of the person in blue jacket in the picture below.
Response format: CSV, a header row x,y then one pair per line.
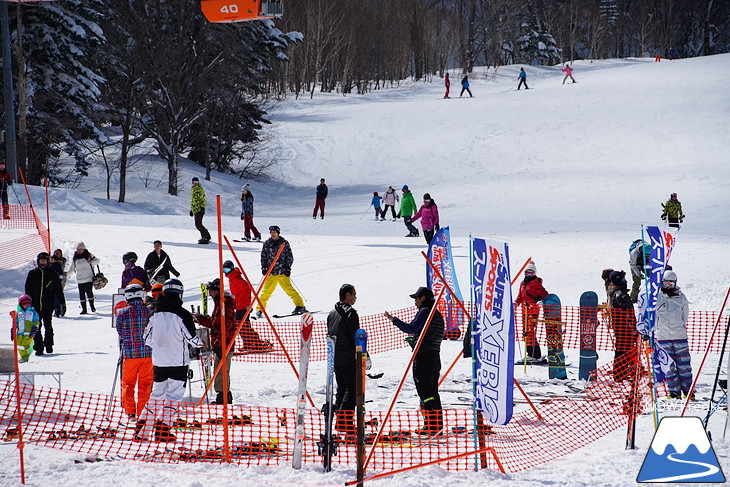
x,y
465,86
523,79
375,203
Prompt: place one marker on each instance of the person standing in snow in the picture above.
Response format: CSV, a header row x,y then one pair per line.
x,y
83,265
531,292
169,332
197,210
673,211
429,215
280,274
58,266
25,327
321,195
216,336
247,215
639,263
523,79
672,312
389,200
61,261
568,73
465,86
132,271
375,203
242,291
44,286
5,181
343,322
427,364
137,372
158,258
447,85
623,322
407,210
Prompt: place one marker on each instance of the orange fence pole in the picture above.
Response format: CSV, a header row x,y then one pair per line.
x,y
403,379
707,351
517,276
19,412
48,216
224,362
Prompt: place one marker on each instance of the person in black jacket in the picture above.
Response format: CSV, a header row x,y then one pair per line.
x,y
321,196
44,287
427,365
280,273
155,259
623,322
343,322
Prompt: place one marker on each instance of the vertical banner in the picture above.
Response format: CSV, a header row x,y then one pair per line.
x,y
494,330
662,243
439,252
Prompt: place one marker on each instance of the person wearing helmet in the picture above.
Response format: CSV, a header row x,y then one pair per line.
x,y
407,210
216,337
25,327
132,271
169,332
83,265
623,323
531,292
44,287
672,211
639,263
321,195
137,374
242,291
155,293
672,312
158,265
280,273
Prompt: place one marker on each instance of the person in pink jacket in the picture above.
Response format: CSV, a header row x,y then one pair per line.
x,y
568,73
429,215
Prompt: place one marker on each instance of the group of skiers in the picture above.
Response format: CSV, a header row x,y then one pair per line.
x,y
428,211
521,76
464,86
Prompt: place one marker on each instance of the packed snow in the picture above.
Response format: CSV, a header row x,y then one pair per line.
x,y
566,174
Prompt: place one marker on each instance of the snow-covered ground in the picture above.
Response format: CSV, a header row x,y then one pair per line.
x,y
566,174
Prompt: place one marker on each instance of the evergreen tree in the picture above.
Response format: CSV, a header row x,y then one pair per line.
x,y
538,47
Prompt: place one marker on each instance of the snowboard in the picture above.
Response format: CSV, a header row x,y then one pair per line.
x,y
204,299
327,446
554,332
588,324
305,342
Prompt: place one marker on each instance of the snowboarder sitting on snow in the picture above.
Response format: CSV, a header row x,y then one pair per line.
x,y
407,209
429,215
25,327
242,291
673,211
623,322
280,273
427,365
132,271
639,262
531,292
672,312
523,79
375,202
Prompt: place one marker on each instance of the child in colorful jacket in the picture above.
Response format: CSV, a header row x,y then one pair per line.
x,y
375,202
27,322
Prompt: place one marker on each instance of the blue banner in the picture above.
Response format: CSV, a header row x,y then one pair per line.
x,y
439,253
662,243
494,330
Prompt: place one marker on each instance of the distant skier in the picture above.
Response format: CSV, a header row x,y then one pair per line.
x,y
25,327
280,273
531,292
465,86
672,312
390,198
5,181
247,215
447,85
672,54
158,259
429,215
568,73
197,210
375,203
673,211
623,322
523,79
407,209
321,195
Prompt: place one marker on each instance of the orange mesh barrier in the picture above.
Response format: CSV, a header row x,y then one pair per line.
x,y
93,424
24,248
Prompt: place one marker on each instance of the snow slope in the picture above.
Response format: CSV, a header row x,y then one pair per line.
x,y
566,174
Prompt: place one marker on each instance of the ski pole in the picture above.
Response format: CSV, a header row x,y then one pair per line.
x,y
114,385
297,288
366,211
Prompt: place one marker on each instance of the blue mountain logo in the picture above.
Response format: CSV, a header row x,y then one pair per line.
x,y
681,452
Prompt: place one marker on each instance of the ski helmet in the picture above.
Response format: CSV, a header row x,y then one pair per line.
x,y
647,249
214,285
227,267
173,286
129,257
24,298
156,289
133,291
405,187
669,281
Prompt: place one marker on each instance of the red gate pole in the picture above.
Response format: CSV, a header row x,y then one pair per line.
x,y
19,412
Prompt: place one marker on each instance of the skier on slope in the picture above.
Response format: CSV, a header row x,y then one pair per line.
x,y
375,203
623,322
407,210
447,85
154,260
280,273
247,215
672,312
523,79
568,73
673,211
429,215
390,198
132,271
531,292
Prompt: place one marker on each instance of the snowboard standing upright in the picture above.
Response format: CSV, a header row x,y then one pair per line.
x,y
305,342
588,324
328,444
204,299
554,332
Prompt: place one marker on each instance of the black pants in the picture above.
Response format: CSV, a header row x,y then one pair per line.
x,y
428,235
46,318
523,82
199,225
346,386
385,210
426,369
465,89
409,225
86,290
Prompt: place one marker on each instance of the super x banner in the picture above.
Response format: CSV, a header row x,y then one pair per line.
x,y
439,253
662,243
493,330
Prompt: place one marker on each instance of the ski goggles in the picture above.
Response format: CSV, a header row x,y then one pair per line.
x,y
669,284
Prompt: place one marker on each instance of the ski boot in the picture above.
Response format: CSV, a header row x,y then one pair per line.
x,y
299,310
257,239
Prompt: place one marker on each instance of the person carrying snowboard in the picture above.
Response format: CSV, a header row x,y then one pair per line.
x,y
673,211
407,210
375,203
390,198
465,86
280,274
247,215
672,312
429,215
158,259
523,79
197,210
568,73
531,292
25,327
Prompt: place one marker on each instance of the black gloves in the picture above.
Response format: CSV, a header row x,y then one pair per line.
x,y
191,212
437,227
241,216
287,273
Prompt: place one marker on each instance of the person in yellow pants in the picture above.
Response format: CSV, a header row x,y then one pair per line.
x,y
280,273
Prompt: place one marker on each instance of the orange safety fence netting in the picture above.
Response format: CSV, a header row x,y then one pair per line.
x,y
95,424
23,248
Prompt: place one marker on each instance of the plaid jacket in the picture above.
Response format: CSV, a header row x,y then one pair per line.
x,y
131,323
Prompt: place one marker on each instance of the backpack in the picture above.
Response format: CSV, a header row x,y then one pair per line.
x,y
634,244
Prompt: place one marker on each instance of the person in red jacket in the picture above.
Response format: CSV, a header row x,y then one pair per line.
x,y
5,181
242,291
216,338
447,85
531,292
